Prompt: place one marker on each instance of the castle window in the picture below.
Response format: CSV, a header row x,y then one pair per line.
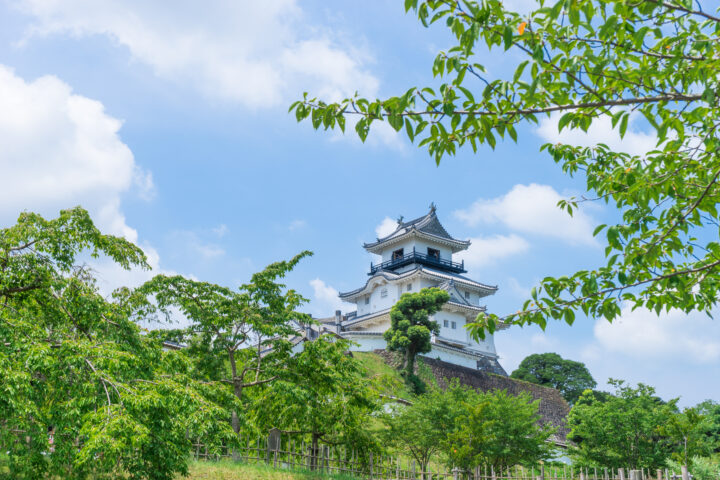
x,y
467,295
398,254
383,292
454,325
434,253
409,287
367,300
445,323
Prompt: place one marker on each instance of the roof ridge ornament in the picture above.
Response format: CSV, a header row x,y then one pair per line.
x,y
433,207
400,220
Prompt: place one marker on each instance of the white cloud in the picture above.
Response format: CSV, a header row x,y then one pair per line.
x,y
110,275
297,225
531,209
61,149
220,230
386,227
519,290
485,251
521,6
381,134
193,242
327,299
252,53
635,142
541,341
671,336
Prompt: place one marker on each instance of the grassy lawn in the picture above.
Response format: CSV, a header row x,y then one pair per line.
x,y
388,378
229,470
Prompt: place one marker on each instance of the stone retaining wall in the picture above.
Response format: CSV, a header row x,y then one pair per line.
x,y
552,408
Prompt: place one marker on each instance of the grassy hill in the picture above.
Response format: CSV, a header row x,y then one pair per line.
x,y
389,378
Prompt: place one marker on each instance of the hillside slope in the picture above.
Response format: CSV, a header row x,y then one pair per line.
x,y
381,365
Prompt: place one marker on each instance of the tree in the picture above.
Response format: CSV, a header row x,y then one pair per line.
x,y
687,430
322,394
570,378
711,411
421,429
410,325
78,366
237,338
584,61
622,430
499,429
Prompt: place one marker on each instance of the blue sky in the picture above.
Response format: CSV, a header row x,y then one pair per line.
x,y
170,126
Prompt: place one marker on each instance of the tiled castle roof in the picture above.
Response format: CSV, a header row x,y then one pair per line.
x,y
427,225
388,276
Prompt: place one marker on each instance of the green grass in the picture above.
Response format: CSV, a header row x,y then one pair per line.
x,y
226,470
388,379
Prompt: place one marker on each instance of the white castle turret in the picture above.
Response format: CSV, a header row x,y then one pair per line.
x,y
419,254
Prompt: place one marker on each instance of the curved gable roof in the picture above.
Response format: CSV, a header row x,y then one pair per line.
x,y
480,288
427,226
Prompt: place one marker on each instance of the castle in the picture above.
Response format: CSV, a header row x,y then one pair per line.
x,y
417,255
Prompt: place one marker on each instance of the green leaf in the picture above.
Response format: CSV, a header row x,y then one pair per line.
x,y
624,124
508,36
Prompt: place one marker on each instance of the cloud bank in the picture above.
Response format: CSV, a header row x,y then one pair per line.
x,y
531,209
60,149
256,54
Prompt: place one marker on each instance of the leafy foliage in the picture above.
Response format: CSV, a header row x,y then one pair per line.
x,y
569,377
701,468
621,430
584,60
410,325
247,330
421,429
688,430
77,366
321,394
499,429
711,426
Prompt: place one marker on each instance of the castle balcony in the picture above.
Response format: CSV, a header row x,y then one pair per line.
x,y
433,261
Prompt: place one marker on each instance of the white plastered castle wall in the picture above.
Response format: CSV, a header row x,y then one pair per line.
x,y
447,320
365,343
369,344
420,246
451,357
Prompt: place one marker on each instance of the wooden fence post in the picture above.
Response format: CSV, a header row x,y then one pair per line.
x,y
621,472
684,472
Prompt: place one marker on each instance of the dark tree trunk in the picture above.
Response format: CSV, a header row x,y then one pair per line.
x,y
235,418
410,362
314,451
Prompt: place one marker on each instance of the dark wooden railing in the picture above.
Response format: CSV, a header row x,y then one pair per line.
x,y
421,258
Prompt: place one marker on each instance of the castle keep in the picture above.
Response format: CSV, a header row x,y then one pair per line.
x,y
417,255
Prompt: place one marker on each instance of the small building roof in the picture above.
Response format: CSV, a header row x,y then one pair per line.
x,y
428,227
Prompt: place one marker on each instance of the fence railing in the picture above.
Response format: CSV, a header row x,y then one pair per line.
x,y
288,454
